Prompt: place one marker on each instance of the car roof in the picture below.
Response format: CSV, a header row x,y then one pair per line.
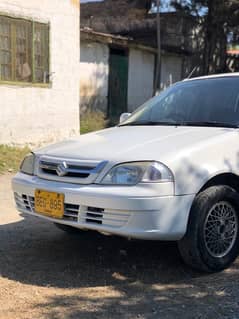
x,y
221,75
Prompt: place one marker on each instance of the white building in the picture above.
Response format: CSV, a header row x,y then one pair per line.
x,y
117,73
39,70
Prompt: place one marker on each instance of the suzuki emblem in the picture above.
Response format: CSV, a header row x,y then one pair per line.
x,y
62,169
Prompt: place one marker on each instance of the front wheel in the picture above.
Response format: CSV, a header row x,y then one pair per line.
x,y
211,242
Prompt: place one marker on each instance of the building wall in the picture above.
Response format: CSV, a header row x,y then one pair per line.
x,y
141,77
94,74
171,70
38,115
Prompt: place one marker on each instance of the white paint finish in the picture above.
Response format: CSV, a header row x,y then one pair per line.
x,y
158,210
221,75
193,154
94,73
171,70
37,115
150,215
141,78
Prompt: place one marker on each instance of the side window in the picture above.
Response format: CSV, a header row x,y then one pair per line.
x,y
5,50
24,51
41,49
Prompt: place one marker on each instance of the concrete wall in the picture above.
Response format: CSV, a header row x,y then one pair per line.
x,y
141,77
171,70
38,115
94,74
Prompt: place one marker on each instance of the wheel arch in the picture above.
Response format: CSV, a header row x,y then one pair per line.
x,y
193,246
227,179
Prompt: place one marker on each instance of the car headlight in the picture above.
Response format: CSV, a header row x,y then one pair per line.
x,y
135,172
27,166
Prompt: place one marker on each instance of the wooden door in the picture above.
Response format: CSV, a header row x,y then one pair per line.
x,y
118,84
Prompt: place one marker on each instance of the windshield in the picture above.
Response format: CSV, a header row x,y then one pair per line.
x,y
203,102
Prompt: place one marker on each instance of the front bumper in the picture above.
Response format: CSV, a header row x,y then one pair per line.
x,y
133,212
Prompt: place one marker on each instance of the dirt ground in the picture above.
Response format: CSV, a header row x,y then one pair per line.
x,y
47,274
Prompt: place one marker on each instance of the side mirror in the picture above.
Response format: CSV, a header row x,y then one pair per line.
x,y
124,117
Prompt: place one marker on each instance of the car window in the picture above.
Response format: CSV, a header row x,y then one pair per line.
x,y
211,100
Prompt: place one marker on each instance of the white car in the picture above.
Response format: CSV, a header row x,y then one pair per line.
x,y
170,171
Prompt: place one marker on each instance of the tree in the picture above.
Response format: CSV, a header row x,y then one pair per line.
x,y
216,19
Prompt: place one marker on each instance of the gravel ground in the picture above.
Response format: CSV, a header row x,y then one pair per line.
x,y
47,274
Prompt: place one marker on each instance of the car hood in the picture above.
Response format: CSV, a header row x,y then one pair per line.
x,y
131,143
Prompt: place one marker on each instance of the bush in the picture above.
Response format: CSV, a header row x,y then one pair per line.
x,y
92,121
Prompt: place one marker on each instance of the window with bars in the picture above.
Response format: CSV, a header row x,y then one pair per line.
x,y
24,51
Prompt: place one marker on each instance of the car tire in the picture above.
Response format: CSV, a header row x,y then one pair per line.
x,y
211,242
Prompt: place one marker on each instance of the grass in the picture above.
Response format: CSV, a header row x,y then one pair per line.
x,y
92,121
11,157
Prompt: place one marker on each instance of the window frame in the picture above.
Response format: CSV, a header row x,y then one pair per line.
x,y
33,23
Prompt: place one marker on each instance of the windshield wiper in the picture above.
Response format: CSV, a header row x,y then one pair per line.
x,y
182,123
210,124
139,123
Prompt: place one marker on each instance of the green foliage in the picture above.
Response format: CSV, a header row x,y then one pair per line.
x,y
194,7
217,17
11,157
226,11
92,121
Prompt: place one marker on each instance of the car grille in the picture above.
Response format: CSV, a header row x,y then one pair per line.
x,y
25,202
75,213
99,216
70,171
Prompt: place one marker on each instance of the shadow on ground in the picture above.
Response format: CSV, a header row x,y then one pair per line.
x,y
110,277
87,259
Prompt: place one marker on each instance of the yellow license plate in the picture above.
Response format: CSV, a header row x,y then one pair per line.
x,y
49,203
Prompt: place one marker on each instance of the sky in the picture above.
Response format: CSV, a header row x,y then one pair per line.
x,y
166,7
